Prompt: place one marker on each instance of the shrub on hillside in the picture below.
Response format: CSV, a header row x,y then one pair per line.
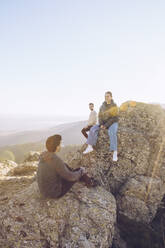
x,y
7,155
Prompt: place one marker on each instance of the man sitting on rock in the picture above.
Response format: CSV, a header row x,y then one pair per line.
x,y
54,177
108,119
91,121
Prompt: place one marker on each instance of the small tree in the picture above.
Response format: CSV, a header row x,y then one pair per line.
x,y
6,155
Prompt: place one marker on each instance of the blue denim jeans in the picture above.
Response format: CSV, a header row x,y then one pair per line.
x,y
112,131
93,134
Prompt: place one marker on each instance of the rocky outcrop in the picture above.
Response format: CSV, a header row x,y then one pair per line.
x,y
83,218
132,200
32,156
24,169
138,179
87,217
6,166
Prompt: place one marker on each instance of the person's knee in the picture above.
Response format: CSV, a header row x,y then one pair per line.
x,y
83,130
94,128
112,131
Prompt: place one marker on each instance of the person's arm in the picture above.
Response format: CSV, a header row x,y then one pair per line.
x,y
110,121
65,172
113,113
100,117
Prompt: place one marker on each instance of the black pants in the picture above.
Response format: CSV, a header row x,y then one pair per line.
x,y
67,185
86,129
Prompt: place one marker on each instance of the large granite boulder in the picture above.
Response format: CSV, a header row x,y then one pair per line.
x,y
82,218
6,166
24,169
87,217
138,178
32,156
134,202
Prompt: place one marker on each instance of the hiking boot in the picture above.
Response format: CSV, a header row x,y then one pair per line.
x,y
93,183
115,158
89,181
88,149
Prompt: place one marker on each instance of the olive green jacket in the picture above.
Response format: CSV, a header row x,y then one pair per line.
x,y
108,114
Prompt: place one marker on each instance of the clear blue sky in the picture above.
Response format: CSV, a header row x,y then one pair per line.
x,y
57,56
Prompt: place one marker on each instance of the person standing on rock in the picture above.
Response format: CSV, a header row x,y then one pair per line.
x,y
54,177
91,121
108,119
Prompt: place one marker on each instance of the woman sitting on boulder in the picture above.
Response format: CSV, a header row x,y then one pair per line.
x,y
55,177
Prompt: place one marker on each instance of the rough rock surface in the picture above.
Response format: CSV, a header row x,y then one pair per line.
x,y
86,217
6,166
132,201
138,178
32,156
82,218
24,169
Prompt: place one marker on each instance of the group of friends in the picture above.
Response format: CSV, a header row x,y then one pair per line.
x,y
54,176
107,119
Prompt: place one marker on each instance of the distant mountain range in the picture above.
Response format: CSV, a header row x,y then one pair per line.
x,y
71,133
19,123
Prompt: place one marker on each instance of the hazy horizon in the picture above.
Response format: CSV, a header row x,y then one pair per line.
x,y
24,122
18,123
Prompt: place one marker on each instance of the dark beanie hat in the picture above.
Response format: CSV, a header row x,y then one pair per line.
x,y
52,142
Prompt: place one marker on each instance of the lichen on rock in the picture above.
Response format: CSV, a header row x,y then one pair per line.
x,y
86,217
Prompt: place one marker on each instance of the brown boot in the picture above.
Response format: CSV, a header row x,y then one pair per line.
x,y
89,181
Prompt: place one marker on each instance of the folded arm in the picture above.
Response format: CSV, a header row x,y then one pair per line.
x,y
65,172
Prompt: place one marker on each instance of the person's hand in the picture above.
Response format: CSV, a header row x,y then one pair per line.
x,y
102,126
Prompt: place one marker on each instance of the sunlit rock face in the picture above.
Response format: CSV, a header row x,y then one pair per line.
x,y
6,166
131,188
32,156
82,218
138,178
